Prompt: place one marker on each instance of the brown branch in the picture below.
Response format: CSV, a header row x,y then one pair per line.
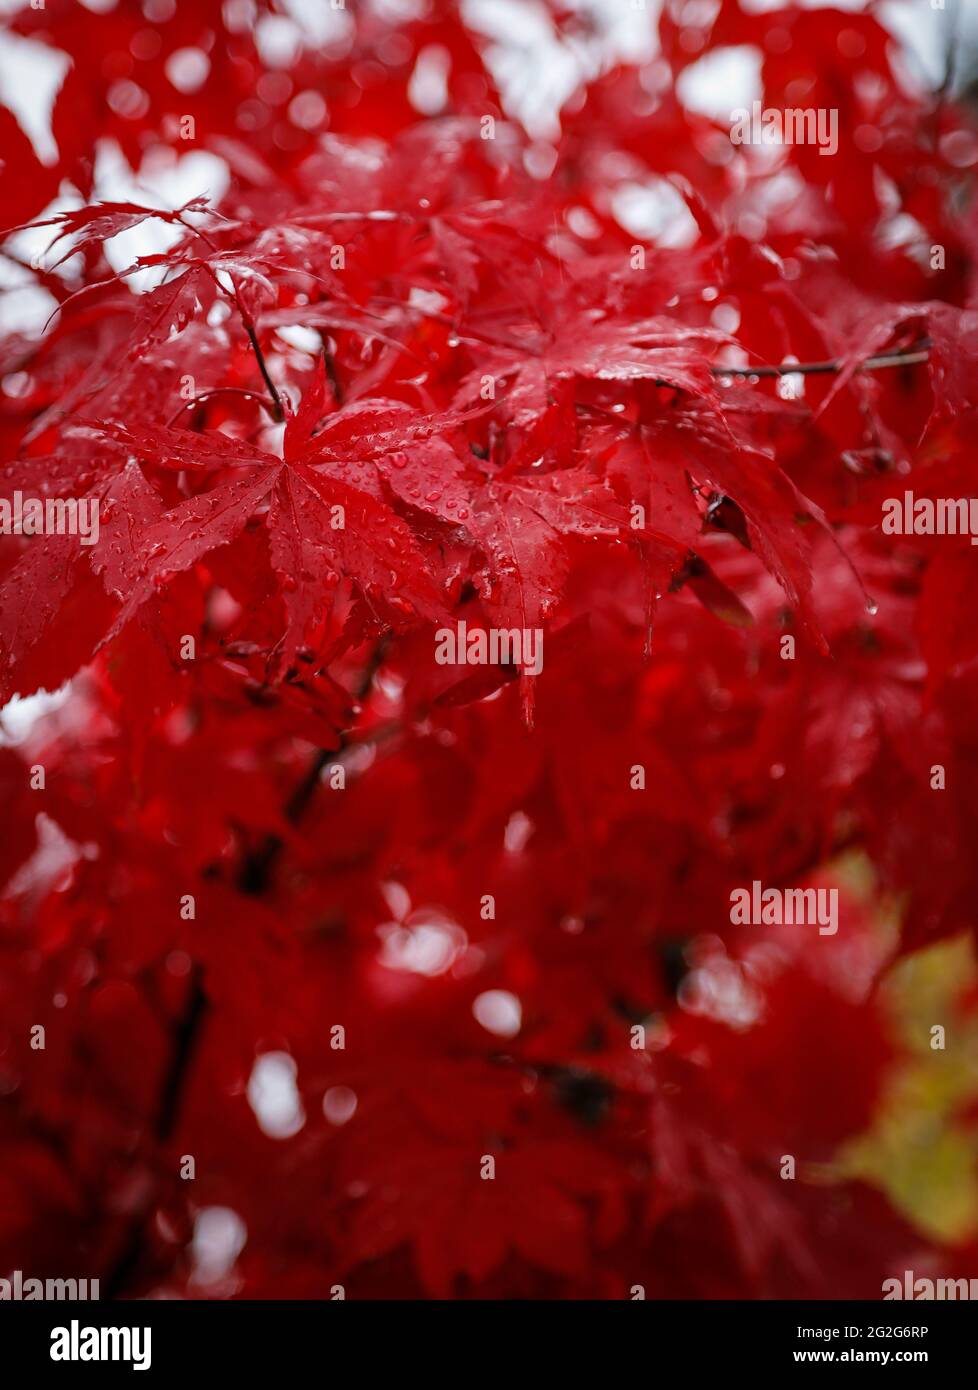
x,y
909,358
249,328
298,801
186,1036
329,364
263,368
253,877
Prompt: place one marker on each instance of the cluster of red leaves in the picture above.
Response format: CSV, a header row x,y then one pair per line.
x,y
317,907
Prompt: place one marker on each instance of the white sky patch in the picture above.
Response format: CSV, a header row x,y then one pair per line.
x,y
903,230
188,69
339,1105
51,864
321,21
421,948
655,211
21,713
397,898
402,10
726,317
498,1012
219,1238
518,830
24,306
631,32
534,71
721,81
34,241
537,69
764,6
297,335
428,85
721,990
420,942
274,1096
279,40
31,74
165,181
924,35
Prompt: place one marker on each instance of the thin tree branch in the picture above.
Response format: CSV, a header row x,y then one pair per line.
x,y
263,368
186,1036
329,363
249,328
909,358
254,875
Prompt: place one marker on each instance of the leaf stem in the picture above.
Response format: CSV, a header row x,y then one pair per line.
x,y
263,368
249,328
263,401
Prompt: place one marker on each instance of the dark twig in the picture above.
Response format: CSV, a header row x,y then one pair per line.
x,y
263,368
913,356
257,866
249,328
296,805
329,363
186,1035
